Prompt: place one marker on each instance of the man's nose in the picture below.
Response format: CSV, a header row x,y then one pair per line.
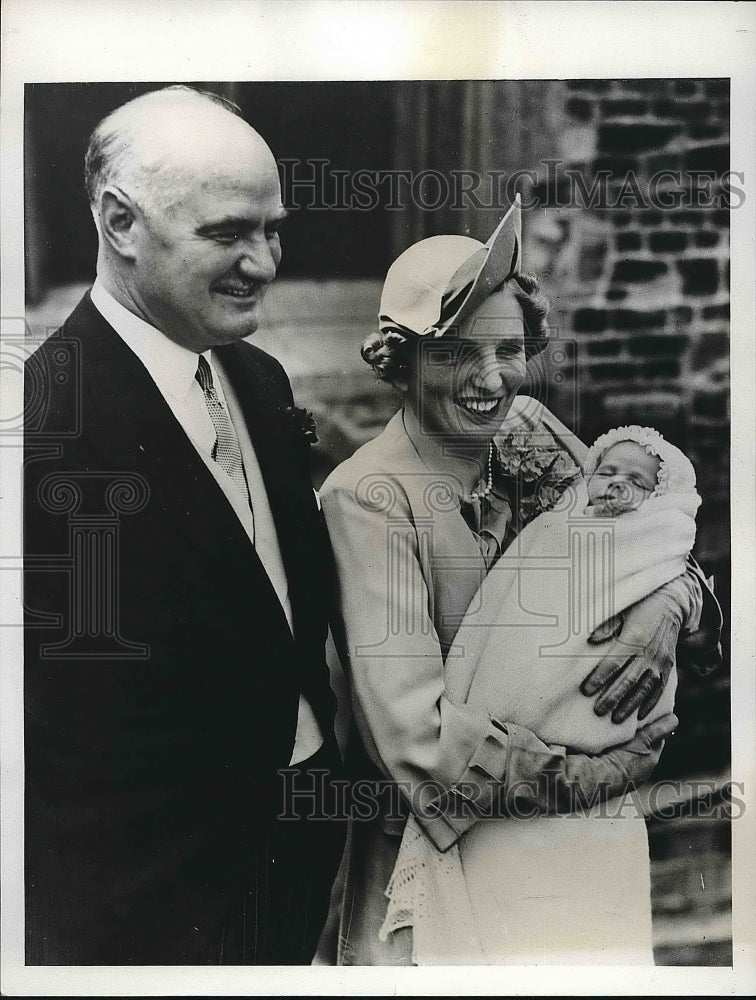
x,y
258,261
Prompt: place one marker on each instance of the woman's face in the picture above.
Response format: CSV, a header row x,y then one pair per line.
x,y
462,387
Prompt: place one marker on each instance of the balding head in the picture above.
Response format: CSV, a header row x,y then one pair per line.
x,y
187,203
151,146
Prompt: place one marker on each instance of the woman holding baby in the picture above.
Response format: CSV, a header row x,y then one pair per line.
x,y
466,649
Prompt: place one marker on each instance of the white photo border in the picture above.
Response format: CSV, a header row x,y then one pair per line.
x,y
297,40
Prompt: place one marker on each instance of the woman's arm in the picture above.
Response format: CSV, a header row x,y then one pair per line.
x,y
540,779
453,762
640,652
390,648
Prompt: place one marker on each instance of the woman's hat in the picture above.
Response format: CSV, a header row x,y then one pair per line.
x,y
438,282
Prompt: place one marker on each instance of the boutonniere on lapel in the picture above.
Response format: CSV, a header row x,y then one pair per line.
x,y
534,476
300,423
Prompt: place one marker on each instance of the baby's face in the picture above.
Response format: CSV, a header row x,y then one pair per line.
x,y
624,478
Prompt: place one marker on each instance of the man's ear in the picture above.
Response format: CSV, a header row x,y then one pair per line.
x,y
117,218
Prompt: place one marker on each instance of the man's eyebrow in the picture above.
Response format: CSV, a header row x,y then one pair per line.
x,y
280,216
240,222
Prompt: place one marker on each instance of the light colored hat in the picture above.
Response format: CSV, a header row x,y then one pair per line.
x,y
439,281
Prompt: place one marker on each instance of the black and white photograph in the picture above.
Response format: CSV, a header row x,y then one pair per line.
x,y
377,448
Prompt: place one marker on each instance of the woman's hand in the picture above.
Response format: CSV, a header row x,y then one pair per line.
x,y
636,666
617,770
540,779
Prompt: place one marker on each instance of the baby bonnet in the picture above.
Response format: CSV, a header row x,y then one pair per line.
x,y
676,473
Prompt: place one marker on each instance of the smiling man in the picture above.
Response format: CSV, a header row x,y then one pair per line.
x,y
188,208
169,684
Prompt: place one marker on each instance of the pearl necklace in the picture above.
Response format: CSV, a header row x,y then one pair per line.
x,y
481,494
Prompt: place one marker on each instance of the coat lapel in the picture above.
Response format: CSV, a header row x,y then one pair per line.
x,y
138,430
453,565
456,569
287,485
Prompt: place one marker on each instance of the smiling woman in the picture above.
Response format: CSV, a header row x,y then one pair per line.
x,y
458,321
465,388
418,518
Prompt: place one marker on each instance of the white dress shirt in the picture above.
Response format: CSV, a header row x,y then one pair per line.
x,y
172,369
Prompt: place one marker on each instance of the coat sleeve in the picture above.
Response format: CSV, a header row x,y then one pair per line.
x,y
453,762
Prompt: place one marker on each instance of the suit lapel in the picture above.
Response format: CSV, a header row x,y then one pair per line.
x,y
288,489
139,429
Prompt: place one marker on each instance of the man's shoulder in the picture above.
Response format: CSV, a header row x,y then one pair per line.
x,y
264,366
84,342
78,323
256,355
54,375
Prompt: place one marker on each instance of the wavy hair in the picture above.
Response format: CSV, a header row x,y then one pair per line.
x,y
389,352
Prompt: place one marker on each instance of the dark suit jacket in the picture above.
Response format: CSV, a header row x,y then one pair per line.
x,y
161,678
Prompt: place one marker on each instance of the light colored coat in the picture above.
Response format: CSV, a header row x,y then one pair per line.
x,y
408,567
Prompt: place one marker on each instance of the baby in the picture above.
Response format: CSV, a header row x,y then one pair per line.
x,y
628,465
515,892
619,533
625,476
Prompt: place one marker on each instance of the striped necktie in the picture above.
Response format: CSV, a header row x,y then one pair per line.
x,y
226,451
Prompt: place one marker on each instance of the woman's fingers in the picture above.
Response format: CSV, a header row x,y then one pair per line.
x,y
633,673
624,684
651,699
603,674
607,630
658,730
647,684
616,679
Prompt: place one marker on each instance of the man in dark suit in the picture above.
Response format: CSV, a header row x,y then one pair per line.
x,y
176,577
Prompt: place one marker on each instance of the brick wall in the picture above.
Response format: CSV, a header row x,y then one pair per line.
x,y
643,288
643,291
